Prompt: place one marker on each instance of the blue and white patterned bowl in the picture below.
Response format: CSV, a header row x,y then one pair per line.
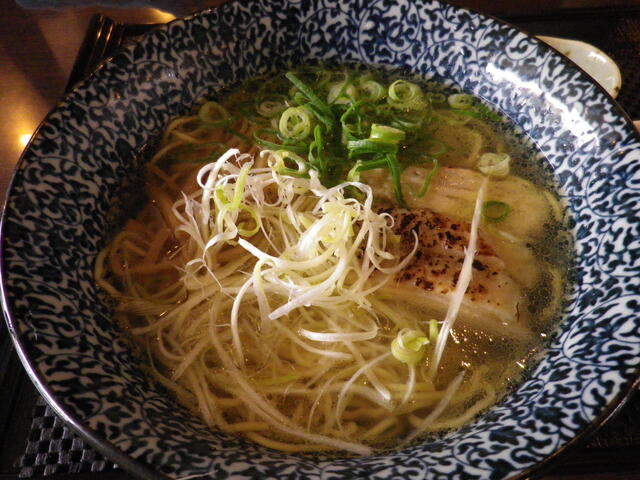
x,y
74,170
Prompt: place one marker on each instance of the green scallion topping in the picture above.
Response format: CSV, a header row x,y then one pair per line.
x,y
316,151
460,101
284,161
360,147
494,164
295,122
394,170
271,107
465,105
386,134
345,122
310,94
299,147
494,211
427,180
436,97
371,91
433,331
405,95
408,345
341,93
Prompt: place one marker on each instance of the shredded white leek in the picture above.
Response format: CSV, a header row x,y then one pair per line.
x,y
318,248
339,337
463,281
359,372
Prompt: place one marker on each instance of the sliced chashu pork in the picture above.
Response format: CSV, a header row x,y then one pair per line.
x,y
453,191
493,298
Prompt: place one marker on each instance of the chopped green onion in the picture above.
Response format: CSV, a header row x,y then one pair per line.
x,y
309,93
220,197
407,346
483,111
435,147
248,111
327,125
354,174
405,95
402,91
281,160
322,77
371,91
358,147
372,164
427,180
295,122
297,147
494,164
341,92
436,97
297,99
494,211
327,120
271,107
478,110
394,170
316,153
352,111
460,101
433,331
386,134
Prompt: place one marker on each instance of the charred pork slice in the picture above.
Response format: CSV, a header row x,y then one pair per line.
x,y
492,299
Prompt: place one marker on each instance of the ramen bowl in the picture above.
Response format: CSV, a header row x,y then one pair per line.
x,y
67,188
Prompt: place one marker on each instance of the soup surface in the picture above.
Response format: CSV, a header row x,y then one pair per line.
x,y
339,259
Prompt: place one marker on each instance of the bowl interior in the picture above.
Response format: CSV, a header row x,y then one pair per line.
x,y
69,184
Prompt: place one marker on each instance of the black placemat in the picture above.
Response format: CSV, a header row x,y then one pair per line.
x,y
624,48
52,447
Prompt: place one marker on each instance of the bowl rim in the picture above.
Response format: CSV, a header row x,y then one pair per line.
x,y
141,469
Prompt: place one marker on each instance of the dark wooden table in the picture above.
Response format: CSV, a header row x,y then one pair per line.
x,y
37,52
